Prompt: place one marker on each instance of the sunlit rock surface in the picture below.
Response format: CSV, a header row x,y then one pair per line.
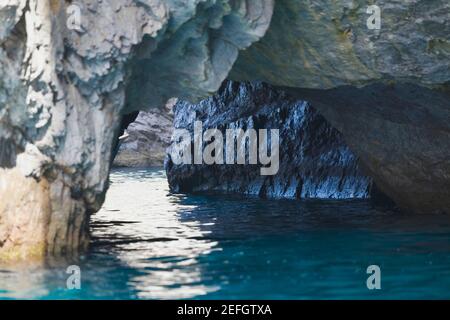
x,y
147,139
314,159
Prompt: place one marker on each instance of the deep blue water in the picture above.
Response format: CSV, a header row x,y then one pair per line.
x,y
148,244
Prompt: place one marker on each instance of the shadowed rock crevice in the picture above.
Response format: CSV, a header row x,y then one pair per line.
x,y
8,153
401,132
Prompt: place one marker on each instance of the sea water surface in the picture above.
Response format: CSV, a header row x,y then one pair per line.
x,y
150,244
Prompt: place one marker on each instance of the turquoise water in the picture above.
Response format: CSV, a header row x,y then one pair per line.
x,y
148,244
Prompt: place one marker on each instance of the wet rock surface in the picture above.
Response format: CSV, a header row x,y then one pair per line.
x,y
314,161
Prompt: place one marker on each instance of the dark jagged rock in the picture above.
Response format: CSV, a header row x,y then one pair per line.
x,y
314,160
401,133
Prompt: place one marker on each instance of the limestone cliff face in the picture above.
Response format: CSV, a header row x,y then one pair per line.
x,y
70,69
314,161
66,82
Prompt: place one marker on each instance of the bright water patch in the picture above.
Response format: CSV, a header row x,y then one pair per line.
x,y
149,244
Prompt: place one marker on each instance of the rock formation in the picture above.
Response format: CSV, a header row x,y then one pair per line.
x,y
387,90
148,138
71,69
401,132
314,160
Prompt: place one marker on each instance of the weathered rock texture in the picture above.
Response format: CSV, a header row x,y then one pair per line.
x,y
63,91
389,90
326,44
314,160
401,133
149,137
64,86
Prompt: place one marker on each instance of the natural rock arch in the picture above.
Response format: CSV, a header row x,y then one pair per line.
x,y
63,92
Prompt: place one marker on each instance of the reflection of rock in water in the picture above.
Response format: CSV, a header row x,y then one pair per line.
x,y
22,282
315,162
157,242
